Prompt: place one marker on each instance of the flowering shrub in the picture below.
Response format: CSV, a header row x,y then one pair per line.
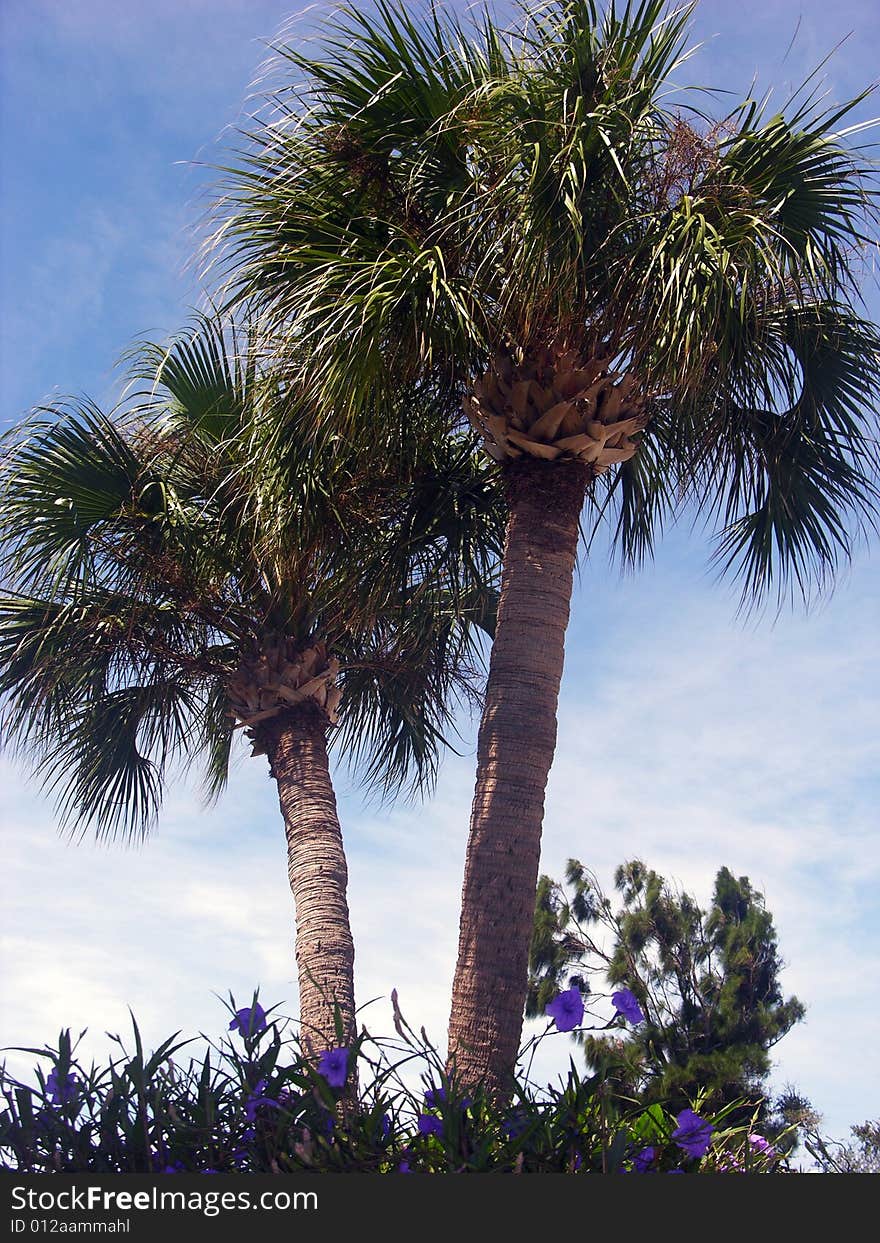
x,y
253,1103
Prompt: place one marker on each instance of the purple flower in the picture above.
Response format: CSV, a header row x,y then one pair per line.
x,y
435,1097
693,1134
429,1125
62,1093
333,1065
249,1020
643,1160
256,1099
176,1168
516,1124
386,1125
567,1009
403,1168
761,1147
626,1003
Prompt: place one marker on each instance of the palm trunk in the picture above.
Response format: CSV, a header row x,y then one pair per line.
x,y
296,744
514,753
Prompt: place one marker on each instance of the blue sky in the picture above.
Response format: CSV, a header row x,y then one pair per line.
x,y
686,738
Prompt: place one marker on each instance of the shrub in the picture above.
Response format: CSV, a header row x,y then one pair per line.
x,y
253,1102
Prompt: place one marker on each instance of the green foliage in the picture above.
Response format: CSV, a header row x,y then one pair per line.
x,y
707,981
148,552
254,1104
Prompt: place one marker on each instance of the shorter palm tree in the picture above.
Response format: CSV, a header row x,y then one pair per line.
x,y
174,577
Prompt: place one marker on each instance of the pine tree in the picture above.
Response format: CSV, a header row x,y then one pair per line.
x,y
707,982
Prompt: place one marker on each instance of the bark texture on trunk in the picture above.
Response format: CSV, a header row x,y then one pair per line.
x,y
296,744
515,750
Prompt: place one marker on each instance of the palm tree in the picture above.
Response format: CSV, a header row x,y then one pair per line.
x,y
161,595
642,306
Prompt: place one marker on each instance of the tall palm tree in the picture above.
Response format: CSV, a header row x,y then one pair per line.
x,y
160,595
643,307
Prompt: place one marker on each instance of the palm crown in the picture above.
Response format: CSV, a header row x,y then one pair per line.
x,y
159,589
525,207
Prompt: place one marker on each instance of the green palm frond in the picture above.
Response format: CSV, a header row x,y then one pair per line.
x,y
206,376
375,124
737,224
643,497
99,699
108,769
817,191
212,738
795,479
51,654
116,614
64,470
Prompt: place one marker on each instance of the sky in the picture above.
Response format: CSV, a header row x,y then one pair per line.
x,y
687,737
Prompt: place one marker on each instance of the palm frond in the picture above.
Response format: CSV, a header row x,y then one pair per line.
x,y
107,770
212,739
100,694
790,459
64,470
203,378
643,497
